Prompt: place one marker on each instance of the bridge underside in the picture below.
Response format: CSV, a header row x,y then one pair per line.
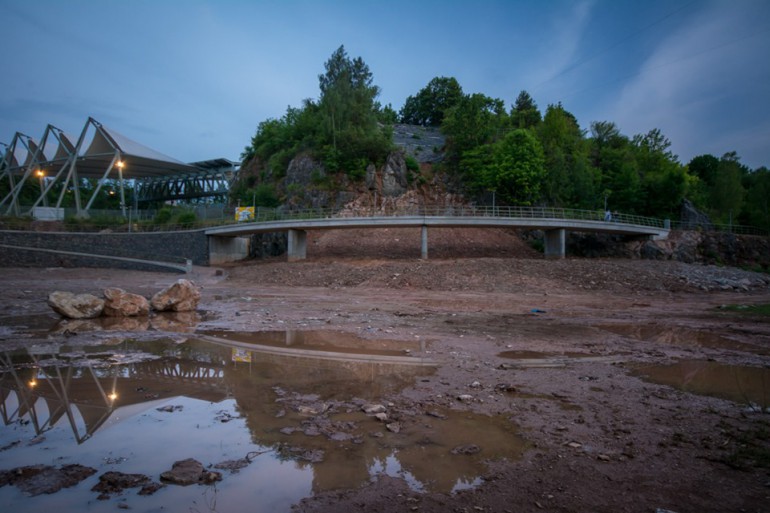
x,y
224,248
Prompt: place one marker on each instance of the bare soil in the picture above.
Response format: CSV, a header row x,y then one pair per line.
x,y
600,438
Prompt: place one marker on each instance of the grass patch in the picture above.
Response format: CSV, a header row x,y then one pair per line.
x,y
751,449
763,309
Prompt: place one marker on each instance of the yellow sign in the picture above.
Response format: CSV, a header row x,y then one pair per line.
x,y
241,355
243,214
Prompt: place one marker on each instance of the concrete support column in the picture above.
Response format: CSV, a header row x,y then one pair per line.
x,y
555,243
227,249
424,246
297,245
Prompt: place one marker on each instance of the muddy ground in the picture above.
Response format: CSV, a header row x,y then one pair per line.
x,y
559,348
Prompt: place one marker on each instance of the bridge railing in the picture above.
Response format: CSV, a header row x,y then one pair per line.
x,y
502,212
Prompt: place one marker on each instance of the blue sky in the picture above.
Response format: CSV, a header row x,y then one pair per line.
x,y
193,78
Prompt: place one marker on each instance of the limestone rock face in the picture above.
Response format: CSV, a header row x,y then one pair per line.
x,y
394,175
75,306
182,296
119,303
693,219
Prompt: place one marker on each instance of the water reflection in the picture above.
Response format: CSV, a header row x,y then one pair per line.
x,y
741,384
681,336
308,399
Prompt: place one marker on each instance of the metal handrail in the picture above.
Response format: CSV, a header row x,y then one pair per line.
x,y
265,214
503,212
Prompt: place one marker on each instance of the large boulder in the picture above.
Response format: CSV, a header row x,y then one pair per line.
x,y
75,306
119,303
182,296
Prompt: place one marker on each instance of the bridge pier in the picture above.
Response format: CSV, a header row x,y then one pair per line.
x,y
424,245
227,249
555,243
297,249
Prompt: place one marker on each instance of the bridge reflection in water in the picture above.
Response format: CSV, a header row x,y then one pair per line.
x,y
91,389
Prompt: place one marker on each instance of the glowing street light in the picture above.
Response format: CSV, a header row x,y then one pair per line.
x,y
40,178
120,164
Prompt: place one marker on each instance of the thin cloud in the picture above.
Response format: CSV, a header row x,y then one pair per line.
x,y
699,71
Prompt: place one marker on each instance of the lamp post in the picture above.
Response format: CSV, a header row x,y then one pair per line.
x,y
121,165
40,178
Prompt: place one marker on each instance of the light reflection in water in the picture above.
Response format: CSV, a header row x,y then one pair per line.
x,y
227,400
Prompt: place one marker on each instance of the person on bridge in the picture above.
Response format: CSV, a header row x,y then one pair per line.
x,y
607,215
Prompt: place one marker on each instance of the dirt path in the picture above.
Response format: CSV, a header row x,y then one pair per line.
x,y
554,347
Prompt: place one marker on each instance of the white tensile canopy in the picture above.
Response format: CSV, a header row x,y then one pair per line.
x,y
99,153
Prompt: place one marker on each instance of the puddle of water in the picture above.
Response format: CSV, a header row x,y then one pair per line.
x,y
315,342
681,336
137,407
543,359
741,384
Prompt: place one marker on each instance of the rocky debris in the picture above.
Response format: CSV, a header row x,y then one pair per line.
x,y
234,466
393,427
190,471
372,409
424,143
687,246
129,311
113,483
38,479
170,408
75,306
309,455
181,296
466,450
119,303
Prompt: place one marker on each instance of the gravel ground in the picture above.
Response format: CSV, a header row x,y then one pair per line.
x,y
553,347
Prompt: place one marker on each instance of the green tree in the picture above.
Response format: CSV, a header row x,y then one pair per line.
x,y
351,135
475,120
726,193
570,179
703,169
664,181
513,166
429,106
756,209
525,113
613,155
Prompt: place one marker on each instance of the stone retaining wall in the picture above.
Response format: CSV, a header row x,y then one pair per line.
x,y
174,247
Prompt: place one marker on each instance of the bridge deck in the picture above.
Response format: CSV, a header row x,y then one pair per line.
x,y
554,222
542,223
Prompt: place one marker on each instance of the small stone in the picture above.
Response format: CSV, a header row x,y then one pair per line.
x,y
370,409
575,445
465,398
393,427
467,450
382,417
603,457
189,471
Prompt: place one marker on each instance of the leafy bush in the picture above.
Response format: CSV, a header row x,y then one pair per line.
x,y
411,163
164,215
186,218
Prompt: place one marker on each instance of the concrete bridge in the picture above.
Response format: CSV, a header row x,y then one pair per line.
x,y
226,243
